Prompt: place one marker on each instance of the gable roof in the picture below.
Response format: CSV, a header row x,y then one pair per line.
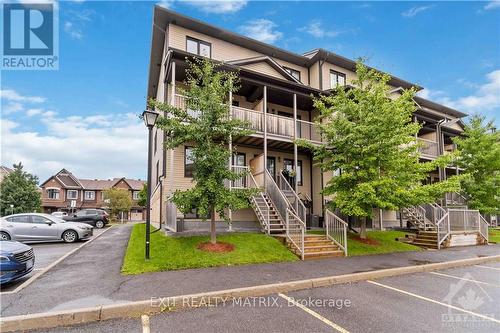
x,y
270,61
5,169
425,103
66,179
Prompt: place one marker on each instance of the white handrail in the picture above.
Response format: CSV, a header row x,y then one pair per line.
x,y
297,204
336,230
483,228
295,234
443,229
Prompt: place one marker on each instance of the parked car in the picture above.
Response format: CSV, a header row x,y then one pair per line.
x,y
95,217
16,260
59,214
35,227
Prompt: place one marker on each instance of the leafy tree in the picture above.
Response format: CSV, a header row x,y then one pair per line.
x,y
143,195
118,200
479,156
370,138
209,131
20,189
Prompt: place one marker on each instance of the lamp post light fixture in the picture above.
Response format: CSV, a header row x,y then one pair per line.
x,y
149,118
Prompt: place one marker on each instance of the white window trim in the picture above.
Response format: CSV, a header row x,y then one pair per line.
x,y
71,198
135,195
55,189
85,195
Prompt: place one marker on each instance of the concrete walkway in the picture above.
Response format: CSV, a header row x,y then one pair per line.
x,y
92,277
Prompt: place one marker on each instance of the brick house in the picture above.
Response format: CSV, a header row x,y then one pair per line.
x,y
64,192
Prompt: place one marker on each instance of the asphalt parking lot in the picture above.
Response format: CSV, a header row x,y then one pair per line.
x,y
46,254
454,300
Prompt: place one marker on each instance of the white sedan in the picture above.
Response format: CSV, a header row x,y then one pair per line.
x,y
35,227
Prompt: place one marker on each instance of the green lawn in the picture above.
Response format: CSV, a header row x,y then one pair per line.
x,y
386,240
171,253
494,235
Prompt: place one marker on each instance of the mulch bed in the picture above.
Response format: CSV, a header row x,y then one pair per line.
x,y
366,241
219,247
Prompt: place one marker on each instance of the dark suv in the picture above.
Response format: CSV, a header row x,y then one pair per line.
x,y
95,217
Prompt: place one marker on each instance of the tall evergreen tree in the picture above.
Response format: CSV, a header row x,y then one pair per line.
x,y
370,138
205,125
19,188
479,156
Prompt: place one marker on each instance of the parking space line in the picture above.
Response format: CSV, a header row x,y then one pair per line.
x,y
494,268
314,314
465,279
434,301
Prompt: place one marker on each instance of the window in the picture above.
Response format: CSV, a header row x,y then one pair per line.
x,y
271,166
39,219
198,47
135,195
53,193
293,72
336,79
72,194
236,103
89,195
288,165
188,162
81,213
19,219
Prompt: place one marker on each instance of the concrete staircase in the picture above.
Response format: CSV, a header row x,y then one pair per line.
x,y
317,247
426,239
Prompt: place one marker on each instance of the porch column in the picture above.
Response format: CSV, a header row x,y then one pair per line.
x,y
380,218
295,163
264,106
230,144
171,151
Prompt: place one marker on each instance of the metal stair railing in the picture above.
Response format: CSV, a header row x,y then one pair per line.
x,y
295,233
286,212
443,228
483,228
297,204
336,230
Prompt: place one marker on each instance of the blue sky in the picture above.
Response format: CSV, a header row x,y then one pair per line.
x,y
83,116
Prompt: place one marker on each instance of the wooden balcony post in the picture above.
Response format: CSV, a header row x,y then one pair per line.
x,y
295,163
264,106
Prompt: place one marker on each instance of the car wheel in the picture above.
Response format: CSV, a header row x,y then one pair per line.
x,y
70,236
4,236
99,224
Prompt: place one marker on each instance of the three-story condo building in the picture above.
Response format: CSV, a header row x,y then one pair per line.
x,y
275,97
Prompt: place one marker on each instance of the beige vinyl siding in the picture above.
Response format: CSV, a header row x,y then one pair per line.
x,y
264,68
222,50
429,136
314,75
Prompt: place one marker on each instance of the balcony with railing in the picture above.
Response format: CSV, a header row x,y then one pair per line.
x,y
428,148
278,127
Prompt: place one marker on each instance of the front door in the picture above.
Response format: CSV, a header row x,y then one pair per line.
x,y
271,166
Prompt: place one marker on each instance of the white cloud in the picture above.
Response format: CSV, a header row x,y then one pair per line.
x,y
207,6
262,30
492,5
315,28
72,31
12,107
413,11
12,95
485,99
97,146
33,112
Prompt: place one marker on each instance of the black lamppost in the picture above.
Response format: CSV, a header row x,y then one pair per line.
x,y
150,120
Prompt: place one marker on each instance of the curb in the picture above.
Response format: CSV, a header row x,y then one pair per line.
x,y
44,270
138,308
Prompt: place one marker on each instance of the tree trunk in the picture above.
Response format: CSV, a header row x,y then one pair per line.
x,y
362,232
213,238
